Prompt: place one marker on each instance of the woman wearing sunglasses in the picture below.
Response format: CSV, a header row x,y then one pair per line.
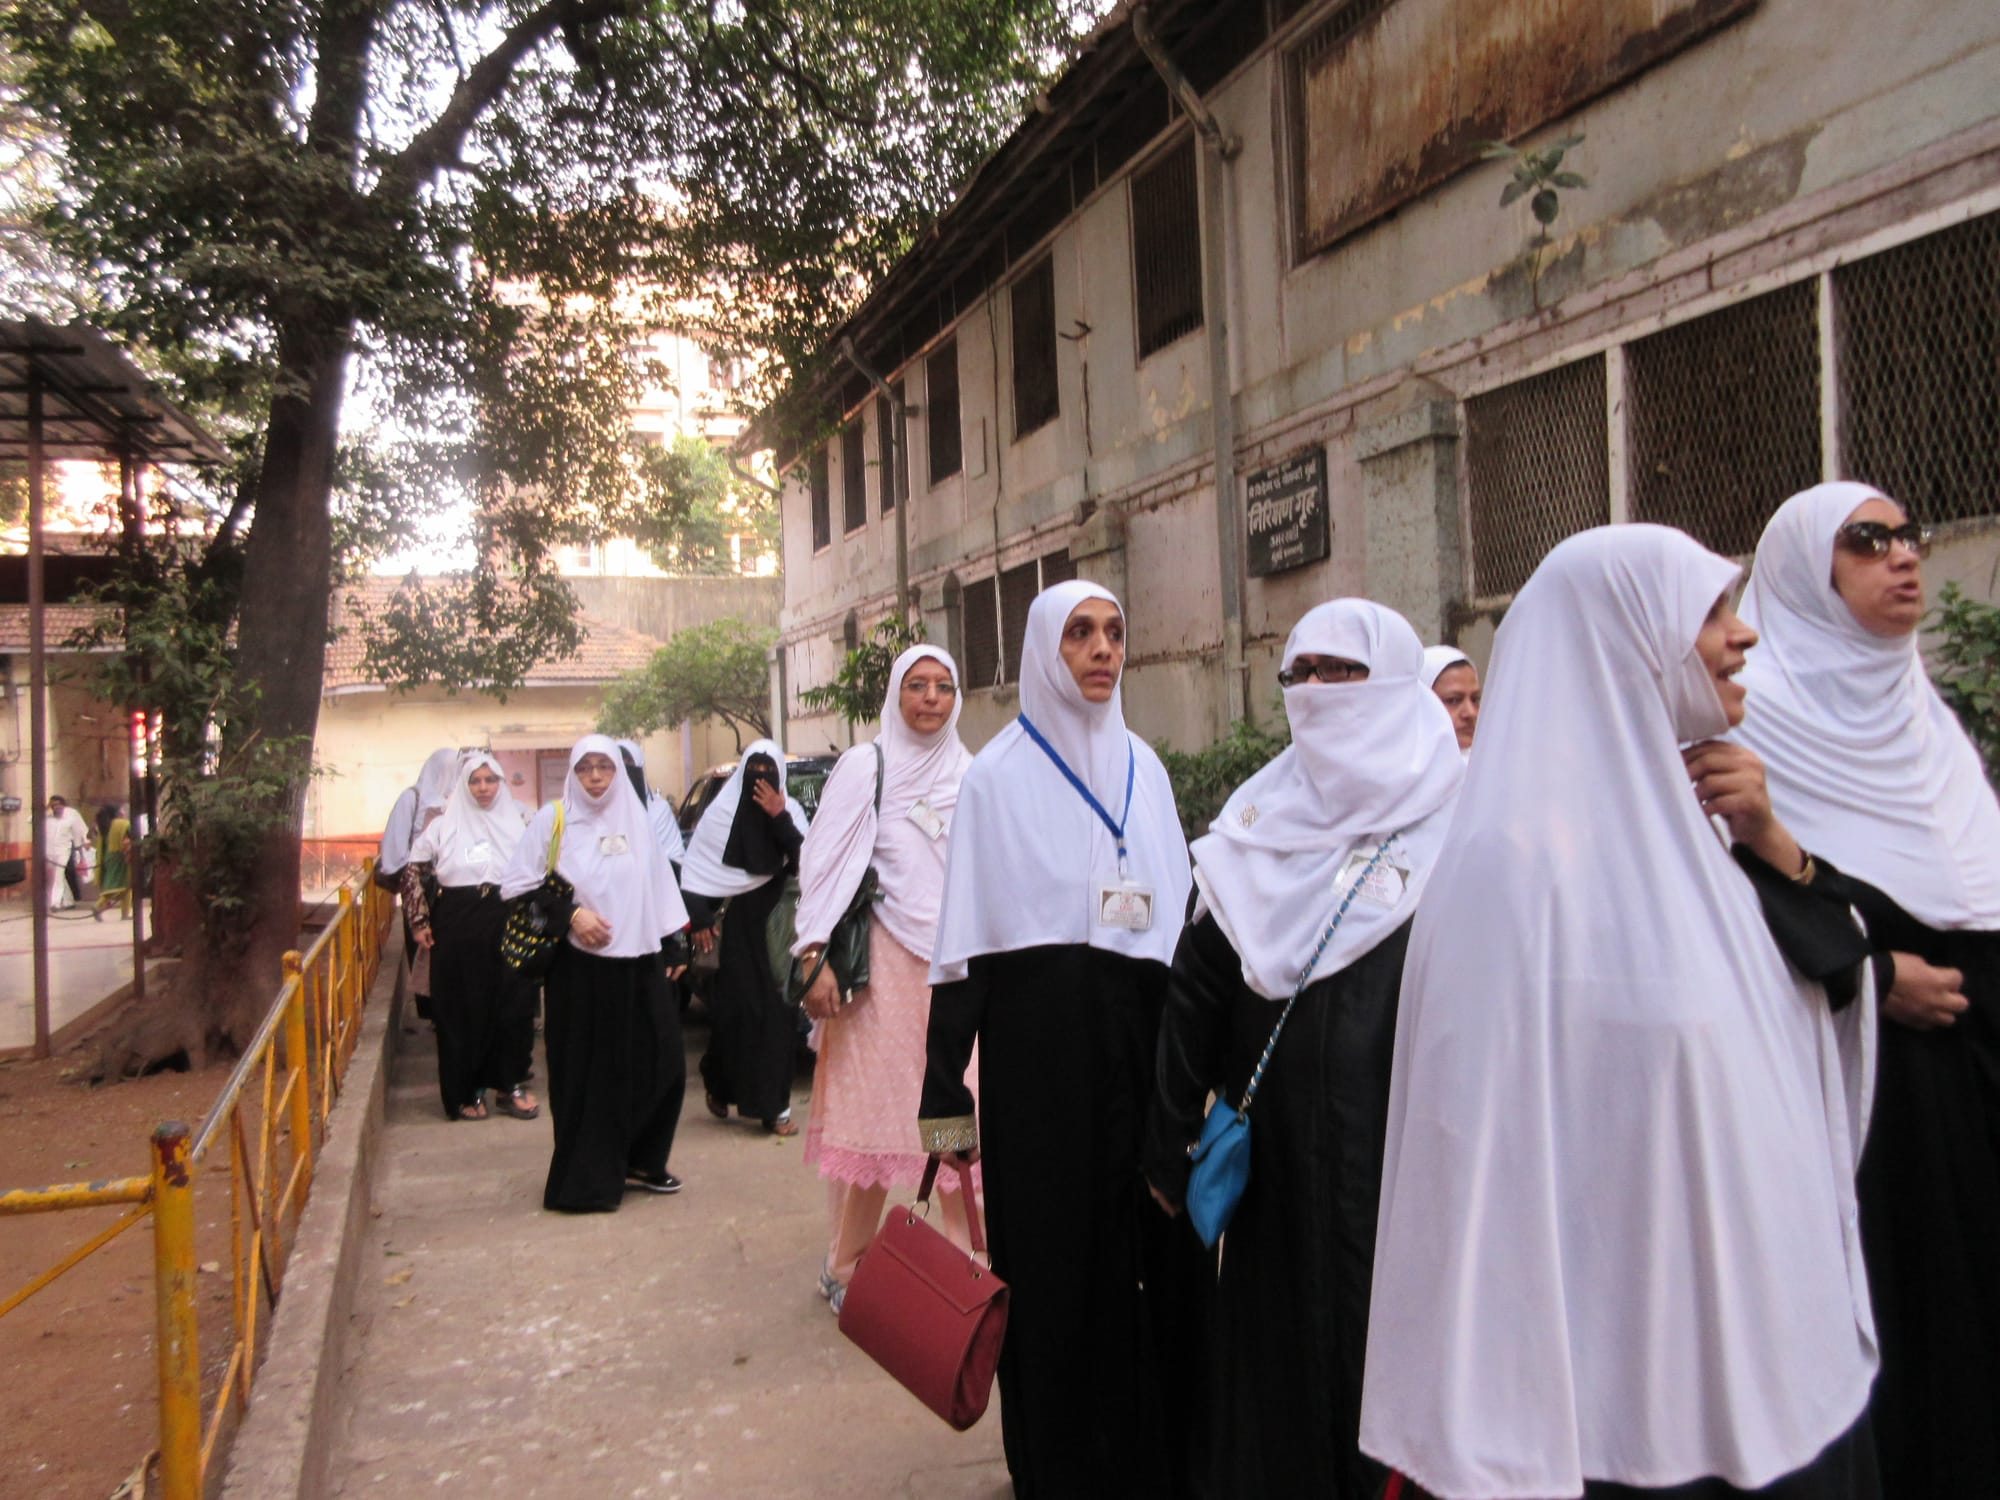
x,y
1868,767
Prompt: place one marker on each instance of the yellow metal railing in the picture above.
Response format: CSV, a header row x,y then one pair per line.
x,y
315,1021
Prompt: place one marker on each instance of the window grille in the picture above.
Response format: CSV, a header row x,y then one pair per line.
x,y
1919,371
1166,249
980,603
885,444
1034,307
1723,417
946,443
1538,463
822,498
853,477
1057,567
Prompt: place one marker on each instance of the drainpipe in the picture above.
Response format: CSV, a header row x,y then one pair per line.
x,y
899,463
1222,148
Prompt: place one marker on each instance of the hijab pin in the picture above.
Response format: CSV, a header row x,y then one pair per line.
x,y
1248,817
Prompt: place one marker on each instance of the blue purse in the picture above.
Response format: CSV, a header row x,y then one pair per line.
x,y
1222,1156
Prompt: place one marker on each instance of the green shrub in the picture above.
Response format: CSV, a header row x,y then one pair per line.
x,y
1203,779
1965,664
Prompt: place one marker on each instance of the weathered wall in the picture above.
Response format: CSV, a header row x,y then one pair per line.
x,y
1803,127
659,607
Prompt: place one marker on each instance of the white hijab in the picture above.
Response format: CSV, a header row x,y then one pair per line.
x,y
1867,765
847,836
1617,1221
469,844
1026,852
609,855
703,871
1441,659
659,810
415,807
1367,760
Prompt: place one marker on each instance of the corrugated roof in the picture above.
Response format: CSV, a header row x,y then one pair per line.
x,y
95,402
59,622
609,651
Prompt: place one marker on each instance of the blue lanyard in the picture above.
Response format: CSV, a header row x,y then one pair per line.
x,y
1117,828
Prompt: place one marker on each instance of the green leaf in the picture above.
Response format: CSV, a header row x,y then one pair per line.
x,y
1567,180
1544,206
1512,191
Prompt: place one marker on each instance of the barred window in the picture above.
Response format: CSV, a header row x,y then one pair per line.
x,y
1723,417
853,477
1018,587
1538,462
885,444
1919,376
821,485
1034,307
1057,567
980,603
947,445
1166,249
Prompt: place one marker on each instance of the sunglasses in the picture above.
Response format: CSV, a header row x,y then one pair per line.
x,y
1328,669
1874,538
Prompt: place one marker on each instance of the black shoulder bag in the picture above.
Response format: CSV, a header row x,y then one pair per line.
x,y
847,947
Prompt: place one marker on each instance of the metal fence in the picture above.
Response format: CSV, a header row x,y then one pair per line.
x,y
270,1117
1538,467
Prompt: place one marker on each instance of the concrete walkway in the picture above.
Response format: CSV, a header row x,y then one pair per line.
x,y
87,961
676,1348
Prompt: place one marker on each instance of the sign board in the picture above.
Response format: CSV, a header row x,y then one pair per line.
x,y
1287,525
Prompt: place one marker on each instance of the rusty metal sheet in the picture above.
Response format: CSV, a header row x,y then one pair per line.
x,y
1394,96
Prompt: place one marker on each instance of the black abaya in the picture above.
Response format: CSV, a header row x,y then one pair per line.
x,y
753,1034
484,1012
1292,1301
1930,1221
617,1076
1101,1374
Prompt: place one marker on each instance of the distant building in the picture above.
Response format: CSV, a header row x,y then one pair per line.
x,y
1785,267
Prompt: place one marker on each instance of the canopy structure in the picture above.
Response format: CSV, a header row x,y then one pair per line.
x,y
68,392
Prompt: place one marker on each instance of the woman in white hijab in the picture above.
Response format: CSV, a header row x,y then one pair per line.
x,y
1350,816
1617,1250
617,1073
863,1133
745,845
483,1012
1450,674
1065,885
1868,766
415,808
665,828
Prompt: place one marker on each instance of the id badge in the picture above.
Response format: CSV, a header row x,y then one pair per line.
x,y
613,844
925,818
481,853
1125,905
1384,886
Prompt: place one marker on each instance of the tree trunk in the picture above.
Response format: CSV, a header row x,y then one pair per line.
x,y
281,650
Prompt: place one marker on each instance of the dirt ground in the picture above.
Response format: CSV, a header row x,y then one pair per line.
x,y
79,1401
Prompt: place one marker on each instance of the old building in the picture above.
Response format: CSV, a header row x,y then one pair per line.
x,y
1785,266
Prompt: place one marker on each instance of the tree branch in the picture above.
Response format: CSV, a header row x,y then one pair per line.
x,y
441,143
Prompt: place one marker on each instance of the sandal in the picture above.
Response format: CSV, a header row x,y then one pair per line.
x,y
476,1110
517,1102
782,1125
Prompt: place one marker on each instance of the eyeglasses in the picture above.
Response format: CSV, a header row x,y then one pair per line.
x,y
1321,669
930,689
1874,538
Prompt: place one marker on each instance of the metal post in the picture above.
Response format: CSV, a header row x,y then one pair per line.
x,y
178,1335
349,950
299,1060
38,718
134,536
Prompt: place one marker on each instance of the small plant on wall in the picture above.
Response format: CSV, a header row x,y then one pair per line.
x,y
858,688
1538,176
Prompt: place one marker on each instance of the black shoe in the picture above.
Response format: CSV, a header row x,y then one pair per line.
x,y
646,1182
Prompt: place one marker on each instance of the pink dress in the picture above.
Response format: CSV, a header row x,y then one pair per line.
x,y
863,1129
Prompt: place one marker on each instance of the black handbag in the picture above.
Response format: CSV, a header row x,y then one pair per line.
x,y
537,922
847,946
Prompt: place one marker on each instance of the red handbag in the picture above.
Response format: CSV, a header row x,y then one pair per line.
x,y
927,1312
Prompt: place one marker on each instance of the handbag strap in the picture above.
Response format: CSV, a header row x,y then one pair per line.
x,y
879,763
972,1224
1305,977
555,839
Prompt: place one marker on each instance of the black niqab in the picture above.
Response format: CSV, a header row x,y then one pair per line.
x,y
750,847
